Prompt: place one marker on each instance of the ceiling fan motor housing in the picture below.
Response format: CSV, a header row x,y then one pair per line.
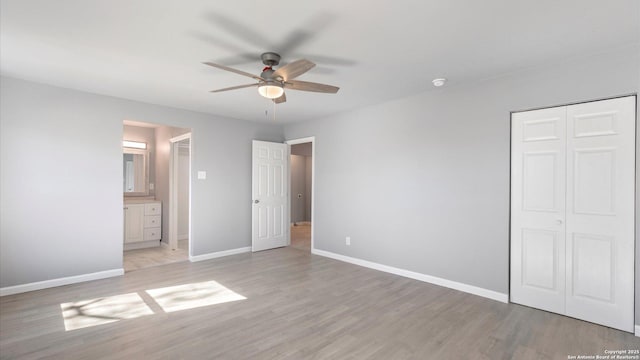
x,y
267,73
270,58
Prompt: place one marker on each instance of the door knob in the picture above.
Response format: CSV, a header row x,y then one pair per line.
x,y
256,201
559,221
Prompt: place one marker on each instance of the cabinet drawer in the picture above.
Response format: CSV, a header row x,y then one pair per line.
x,y
153,209
152,234
152,221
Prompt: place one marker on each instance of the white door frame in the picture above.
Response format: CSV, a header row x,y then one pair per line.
x,y
312,140
173,190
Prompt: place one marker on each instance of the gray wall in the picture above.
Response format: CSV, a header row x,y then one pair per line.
x,y
183,190
61,218
422,183
308,179
297,168
303,178
304,149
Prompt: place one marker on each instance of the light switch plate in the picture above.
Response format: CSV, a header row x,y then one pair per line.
x,y
202,175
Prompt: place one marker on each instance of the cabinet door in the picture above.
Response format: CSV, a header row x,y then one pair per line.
x,y
133,223
153,208
152,221
152,234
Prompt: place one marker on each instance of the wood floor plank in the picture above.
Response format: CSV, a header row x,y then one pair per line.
x,y
154,256
297,306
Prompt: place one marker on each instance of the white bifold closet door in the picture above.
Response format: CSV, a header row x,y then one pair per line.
x,y
572,210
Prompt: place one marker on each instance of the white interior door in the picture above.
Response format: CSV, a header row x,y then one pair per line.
x,y
538,209
600,211
269,195
572,210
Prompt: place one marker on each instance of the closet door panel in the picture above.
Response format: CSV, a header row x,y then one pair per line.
x,y
538,208
600,212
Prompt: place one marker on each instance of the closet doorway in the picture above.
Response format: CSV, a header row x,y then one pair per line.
x,y
572,210
301,169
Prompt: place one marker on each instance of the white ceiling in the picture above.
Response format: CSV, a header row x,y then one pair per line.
x,y
151,51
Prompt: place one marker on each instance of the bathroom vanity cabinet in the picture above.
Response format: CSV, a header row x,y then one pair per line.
x,y
142,224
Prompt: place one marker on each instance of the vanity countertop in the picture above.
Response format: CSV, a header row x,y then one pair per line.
x,y
139,200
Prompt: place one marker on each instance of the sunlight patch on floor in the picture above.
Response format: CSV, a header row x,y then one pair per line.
x,y
86,313
189,296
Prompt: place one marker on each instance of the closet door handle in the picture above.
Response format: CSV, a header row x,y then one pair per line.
x,y
559,221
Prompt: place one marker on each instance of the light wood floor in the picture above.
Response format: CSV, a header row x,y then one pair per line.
x,y
160,255
297,306
301,237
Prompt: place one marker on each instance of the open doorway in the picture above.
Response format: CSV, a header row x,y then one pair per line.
x,y
301,193
147,204
179,192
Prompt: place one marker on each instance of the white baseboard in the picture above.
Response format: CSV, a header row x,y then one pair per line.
x,y
637,332
490,294
301,223
218,254
142,245
10,290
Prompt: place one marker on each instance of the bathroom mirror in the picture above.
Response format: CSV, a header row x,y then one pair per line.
x,y
135,169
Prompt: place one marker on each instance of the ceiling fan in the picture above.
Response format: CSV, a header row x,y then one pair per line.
x,y
271,83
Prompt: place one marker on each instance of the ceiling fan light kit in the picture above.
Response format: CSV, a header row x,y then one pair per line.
x,y
271,83
270,90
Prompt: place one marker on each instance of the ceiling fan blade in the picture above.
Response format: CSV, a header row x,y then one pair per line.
x,y
311,86
310,28
244,32
294,40
234,70
294,69
234,88
281,99
326,60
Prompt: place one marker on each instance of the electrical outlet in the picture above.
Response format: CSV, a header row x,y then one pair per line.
x,y
348,240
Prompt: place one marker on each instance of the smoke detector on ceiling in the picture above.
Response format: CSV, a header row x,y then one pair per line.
x,y
439,82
